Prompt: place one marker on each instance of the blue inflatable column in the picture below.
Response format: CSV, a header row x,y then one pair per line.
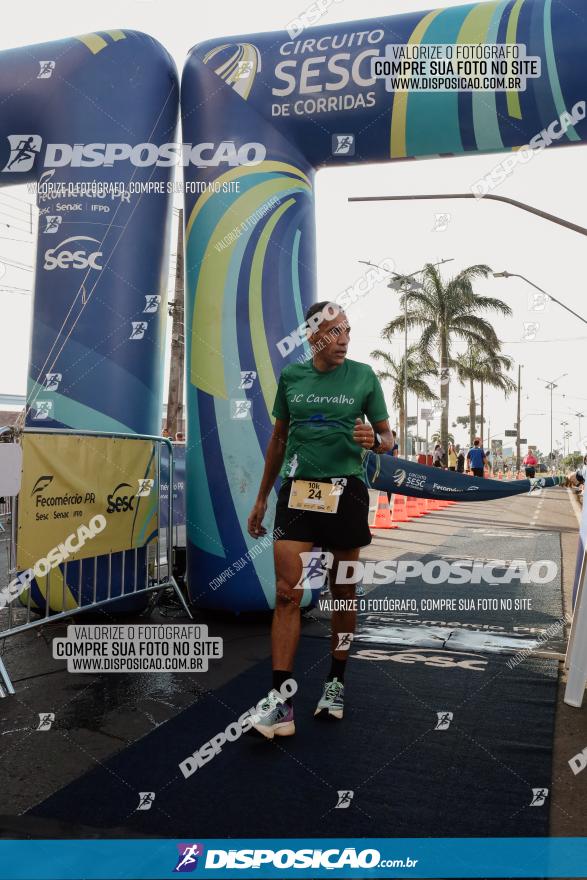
x,y
250,275
85,118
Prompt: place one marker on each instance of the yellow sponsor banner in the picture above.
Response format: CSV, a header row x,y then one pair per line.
x,y
69,480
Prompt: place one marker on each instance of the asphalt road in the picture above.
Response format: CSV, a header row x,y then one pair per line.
x,y
97,715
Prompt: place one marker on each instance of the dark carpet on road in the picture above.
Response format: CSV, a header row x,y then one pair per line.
x,y
408,779
477,626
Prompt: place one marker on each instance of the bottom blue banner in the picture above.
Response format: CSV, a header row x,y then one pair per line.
x,y
361,857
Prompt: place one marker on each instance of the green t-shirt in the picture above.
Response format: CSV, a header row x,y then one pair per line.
x,y
322,408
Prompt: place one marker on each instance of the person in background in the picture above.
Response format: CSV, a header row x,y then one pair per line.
x,y
581,475
180,437
476,458
460,460
165,432
395,448
530,463
437,456
452,457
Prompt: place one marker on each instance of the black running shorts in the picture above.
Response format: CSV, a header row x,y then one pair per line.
x,y
347,528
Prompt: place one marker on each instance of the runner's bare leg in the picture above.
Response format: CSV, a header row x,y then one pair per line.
x,y
342,621
285,628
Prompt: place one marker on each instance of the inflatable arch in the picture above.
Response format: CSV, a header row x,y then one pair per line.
x,y
273,108
99,312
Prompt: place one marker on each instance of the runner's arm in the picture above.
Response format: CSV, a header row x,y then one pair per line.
x,y
273,458
273,461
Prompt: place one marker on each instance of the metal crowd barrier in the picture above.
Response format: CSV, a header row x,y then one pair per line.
x,y
157,575
5,513
6,434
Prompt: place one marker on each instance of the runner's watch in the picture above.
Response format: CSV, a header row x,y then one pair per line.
x,y
377,442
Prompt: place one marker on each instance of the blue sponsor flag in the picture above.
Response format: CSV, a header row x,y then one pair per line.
x,y
390,474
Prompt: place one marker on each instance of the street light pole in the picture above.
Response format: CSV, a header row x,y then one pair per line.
x,y
565,432
550,386
568,435
560,221
535,286
580,416
518,423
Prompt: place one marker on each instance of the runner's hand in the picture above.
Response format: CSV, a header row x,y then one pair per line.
x,y
363,434
255,526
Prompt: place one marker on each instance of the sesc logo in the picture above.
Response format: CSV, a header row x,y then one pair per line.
x,y
56,258
399,477
428,657
416,481
119,501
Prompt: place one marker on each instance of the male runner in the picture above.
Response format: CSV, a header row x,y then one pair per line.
x,y
318,438
477,458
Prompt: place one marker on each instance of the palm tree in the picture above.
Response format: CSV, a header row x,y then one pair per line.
x,y
465,421
478,365
437,439
449,312
467,368
395,371
491,372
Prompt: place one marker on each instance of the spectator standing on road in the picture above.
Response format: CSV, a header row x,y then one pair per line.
x,y
437,456
460,460
395,448
582,474
452,458
530,463
476,458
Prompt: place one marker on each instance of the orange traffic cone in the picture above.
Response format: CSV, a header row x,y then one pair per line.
x,y
423,506
431,505
399,513
383,515
413,508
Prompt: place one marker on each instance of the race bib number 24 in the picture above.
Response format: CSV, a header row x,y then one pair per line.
x,y
310,495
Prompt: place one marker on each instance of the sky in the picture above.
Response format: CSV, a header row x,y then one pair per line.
x,y
410,234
